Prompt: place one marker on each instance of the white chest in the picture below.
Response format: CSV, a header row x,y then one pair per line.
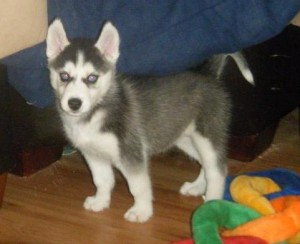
x,y
89,139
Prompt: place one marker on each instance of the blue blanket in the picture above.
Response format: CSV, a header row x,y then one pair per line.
x,y
157,37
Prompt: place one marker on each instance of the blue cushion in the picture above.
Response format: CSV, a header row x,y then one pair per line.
x,y
157,37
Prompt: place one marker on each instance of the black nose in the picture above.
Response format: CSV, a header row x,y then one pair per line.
x,y
74,103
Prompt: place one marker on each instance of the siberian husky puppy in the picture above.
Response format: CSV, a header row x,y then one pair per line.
x,y
121,121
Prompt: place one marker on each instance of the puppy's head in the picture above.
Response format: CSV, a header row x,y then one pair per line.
x,y
81,70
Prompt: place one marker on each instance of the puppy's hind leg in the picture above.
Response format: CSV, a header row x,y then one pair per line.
x,y
197,187
140,187
215,170
103,178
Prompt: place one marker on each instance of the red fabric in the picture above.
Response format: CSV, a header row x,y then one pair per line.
x,y
243,240
230,240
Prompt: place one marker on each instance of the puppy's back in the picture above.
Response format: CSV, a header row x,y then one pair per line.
x,y
168,105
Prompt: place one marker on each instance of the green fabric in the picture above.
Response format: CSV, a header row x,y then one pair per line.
x,y
212,215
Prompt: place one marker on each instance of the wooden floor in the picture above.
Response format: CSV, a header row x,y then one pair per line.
x,y
47,207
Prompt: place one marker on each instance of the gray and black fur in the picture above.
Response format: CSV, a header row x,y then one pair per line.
x,y
138,117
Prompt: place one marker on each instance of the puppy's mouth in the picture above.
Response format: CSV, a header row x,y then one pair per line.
x,y
70,112
73,113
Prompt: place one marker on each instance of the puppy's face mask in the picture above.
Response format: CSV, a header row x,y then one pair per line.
x,y
81,71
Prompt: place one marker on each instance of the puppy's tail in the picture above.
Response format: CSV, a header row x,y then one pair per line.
x,y
218,62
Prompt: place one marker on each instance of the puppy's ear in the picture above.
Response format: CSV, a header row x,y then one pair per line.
x,y
56,39
108,43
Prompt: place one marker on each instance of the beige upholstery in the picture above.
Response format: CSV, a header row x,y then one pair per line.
x,y
23,23
296,20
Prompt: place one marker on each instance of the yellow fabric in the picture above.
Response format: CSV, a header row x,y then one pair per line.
x,y
295,239
249,191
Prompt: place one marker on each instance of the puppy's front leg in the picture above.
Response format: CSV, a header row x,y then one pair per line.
x,y
140,187
104,181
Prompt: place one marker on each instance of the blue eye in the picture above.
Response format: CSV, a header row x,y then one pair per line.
x,y
92,79
64,76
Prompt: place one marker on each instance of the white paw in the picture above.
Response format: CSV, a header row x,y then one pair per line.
x,y
191,189
213,196
138,214
95,204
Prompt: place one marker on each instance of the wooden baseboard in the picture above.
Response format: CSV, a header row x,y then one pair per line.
x,y
247,147
31,161
3,178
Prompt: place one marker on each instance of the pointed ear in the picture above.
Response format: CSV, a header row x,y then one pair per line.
x,y
109,42
56,39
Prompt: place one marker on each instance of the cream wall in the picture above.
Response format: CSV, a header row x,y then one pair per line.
x,y
23,23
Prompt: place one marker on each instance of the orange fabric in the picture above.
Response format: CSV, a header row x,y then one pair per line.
x,y
279,204
272,228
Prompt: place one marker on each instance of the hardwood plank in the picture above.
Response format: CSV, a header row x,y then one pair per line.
x,y
47,206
